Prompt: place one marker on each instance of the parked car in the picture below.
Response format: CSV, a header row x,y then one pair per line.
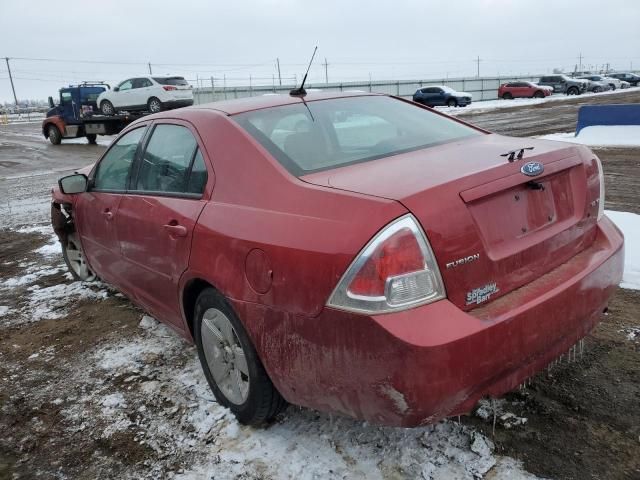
x,y
564,84
439,95
597,83
632,78
523,90
613,82
341,251
153,93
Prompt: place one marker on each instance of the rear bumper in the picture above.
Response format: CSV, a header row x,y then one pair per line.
x,y
171,104
421,365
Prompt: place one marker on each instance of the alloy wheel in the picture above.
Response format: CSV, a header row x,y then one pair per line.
x,y
225,356
76,259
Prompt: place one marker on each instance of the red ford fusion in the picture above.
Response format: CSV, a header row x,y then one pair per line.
x,y
352,253
512,90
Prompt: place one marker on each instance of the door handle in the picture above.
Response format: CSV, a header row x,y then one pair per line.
x,y
107,213
175,230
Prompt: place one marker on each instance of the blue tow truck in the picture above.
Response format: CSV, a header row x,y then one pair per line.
x,y
77,115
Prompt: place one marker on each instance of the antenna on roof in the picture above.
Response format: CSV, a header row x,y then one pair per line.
x,y
300,91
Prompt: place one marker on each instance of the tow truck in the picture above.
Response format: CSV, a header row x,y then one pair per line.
x,y
76,115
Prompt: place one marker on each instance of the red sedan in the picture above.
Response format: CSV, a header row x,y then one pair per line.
x,y
358,254
512,90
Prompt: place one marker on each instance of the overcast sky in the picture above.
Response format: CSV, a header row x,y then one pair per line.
x,y
399,39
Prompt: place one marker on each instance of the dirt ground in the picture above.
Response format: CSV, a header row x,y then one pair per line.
x,y
89,391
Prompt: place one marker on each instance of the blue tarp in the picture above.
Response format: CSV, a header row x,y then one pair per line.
x,y
623,114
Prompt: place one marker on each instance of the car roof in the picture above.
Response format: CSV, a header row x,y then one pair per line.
x,y
246,104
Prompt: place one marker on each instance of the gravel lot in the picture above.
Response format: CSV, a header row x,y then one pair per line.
x,y
90,388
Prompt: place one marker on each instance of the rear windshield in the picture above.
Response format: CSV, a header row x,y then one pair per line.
x,y
325,134
178,81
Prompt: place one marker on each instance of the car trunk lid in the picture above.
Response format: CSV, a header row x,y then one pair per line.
x,y
492,228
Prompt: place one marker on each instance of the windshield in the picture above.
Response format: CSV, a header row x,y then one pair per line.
x,y
176,81
325,134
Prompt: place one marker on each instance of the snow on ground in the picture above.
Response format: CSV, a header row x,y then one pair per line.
x,y
601,135
177,416
487,105
629,223
39,302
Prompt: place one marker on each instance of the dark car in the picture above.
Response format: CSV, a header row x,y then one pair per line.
x,y
359,254
564,84
441,96
632,78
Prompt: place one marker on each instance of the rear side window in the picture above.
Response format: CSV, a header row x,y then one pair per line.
x,y
166,165
176,81
319,135
198,176
113,170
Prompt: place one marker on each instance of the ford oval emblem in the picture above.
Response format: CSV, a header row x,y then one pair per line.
x,y
532,169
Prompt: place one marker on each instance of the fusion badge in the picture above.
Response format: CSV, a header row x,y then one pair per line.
x,y
482,294
463,260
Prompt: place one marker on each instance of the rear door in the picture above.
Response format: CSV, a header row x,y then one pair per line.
x,y
156,217
96,210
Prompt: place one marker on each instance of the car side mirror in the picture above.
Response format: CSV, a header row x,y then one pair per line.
x,y
51,104
76,183
115,89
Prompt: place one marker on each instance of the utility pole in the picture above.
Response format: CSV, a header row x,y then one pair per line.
x,y
149,65
580,62
478,66
279,75
13,89
326,70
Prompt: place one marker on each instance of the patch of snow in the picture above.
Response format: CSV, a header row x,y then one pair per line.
x,y
629,223
601,135
148,323
4,310
487,105
50,249
633,333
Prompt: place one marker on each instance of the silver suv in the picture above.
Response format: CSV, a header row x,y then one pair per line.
x,y
564,84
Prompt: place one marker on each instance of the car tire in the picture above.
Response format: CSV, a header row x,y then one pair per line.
x,y
613,87
452,102
74,258
225,350
538,94
91,138
507,96
55,137
154,105
106,107
572,91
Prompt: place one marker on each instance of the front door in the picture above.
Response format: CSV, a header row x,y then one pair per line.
x,y
96,210
123,97
156,218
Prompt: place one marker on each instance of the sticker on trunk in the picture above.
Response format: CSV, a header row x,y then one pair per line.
x,y
481,294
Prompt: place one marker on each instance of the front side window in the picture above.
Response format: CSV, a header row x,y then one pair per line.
x,y
113,170
319,135
126,85
65,98
167,160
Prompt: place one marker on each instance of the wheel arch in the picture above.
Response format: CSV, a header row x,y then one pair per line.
x,y
190,292
56,121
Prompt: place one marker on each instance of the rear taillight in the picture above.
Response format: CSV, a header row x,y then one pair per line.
x,y
601,181
168,88
395,271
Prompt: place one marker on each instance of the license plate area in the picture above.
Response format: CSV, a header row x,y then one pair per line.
x,y
511,220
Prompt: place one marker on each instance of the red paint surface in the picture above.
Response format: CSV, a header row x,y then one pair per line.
x,y
404,368
519,92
